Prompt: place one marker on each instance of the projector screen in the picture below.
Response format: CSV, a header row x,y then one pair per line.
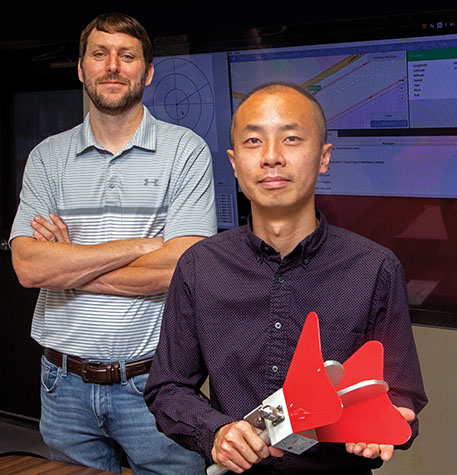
x,y
391,109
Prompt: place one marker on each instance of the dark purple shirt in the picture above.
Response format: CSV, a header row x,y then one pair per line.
x,y
235,311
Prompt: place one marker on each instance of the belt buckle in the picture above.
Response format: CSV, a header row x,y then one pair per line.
x,y
84,364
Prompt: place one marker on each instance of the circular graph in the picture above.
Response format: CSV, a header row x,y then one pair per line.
x,y
182,94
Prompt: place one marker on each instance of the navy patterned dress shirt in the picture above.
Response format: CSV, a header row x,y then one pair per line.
x,y
235,311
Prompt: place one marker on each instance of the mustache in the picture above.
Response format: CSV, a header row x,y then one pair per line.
x,y
113,77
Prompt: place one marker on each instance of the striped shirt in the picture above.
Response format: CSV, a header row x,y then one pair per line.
x,y
159,185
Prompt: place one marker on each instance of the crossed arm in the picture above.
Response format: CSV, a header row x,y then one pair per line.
x,y
138,266
237,446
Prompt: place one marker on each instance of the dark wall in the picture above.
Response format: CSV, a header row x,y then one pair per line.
x,y
33,115
20,393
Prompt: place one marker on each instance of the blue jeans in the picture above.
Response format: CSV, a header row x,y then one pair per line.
x,y
90,424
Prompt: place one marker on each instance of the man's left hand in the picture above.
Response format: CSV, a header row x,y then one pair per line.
x,y
54,230
378,450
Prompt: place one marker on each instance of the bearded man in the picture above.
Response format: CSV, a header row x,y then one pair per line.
x,y
106,210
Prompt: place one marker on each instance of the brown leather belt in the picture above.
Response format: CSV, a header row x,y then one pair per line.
x,y
94,372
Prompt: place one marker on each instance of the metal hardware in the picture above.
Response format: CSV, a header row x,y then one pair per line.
x,y
4,244
273,414
84,365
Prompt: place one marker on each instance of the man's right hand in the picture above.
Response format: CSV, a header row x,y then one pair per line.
x,y
237,447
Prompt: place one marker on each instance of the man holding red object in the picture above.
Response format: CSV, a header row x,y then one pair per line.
x,y
238,301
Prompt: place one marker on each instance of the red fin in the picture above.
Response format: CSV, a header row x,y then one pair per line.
x,y
311,398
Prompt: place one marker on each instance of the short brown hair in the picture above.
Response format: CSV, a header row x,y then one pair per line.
x,y
118,23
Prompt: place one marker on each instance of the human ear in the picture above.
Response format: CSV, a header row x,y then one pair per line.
x,y
149,74
325,158
231,156
80,71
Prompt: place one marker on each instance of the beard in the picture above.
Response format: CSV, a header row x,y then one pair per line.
x,y
115,106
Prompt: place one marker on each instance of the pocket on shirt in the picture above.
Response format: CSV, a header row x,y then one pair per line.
x,y
339,346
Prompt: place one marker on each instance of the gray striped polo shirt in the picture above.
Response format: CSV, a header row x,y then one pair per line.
x,y
159,185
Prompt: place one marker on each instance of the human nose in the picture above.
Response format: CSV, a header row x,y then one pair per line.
x,y
273,155
113,63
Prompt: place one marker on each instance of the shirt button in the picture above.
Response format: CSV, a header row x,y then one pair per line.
x,y
281,279
278,325
274,369
112,185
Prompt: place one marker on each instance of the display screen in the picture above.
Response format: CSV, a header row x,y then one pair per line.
x,y
391,109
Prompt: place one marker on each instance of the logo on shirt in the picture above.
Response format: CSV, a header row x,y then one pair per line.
x,y
154,182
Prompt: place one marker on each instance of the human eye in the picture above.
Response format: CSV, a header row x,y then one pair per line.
x,y
293,140
252,141
99,55
127,56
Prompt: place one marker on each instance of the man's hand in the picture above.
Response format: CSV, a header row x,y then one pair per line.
x,y
51,261
148,274
237,447
54,230
375,450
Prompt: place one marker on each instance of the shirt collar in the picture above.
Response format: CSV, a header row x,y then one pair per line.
x,y
145,136
304,250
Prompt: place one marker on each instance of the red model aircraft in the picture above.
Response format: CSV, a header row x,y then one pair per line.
x,y
329,402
